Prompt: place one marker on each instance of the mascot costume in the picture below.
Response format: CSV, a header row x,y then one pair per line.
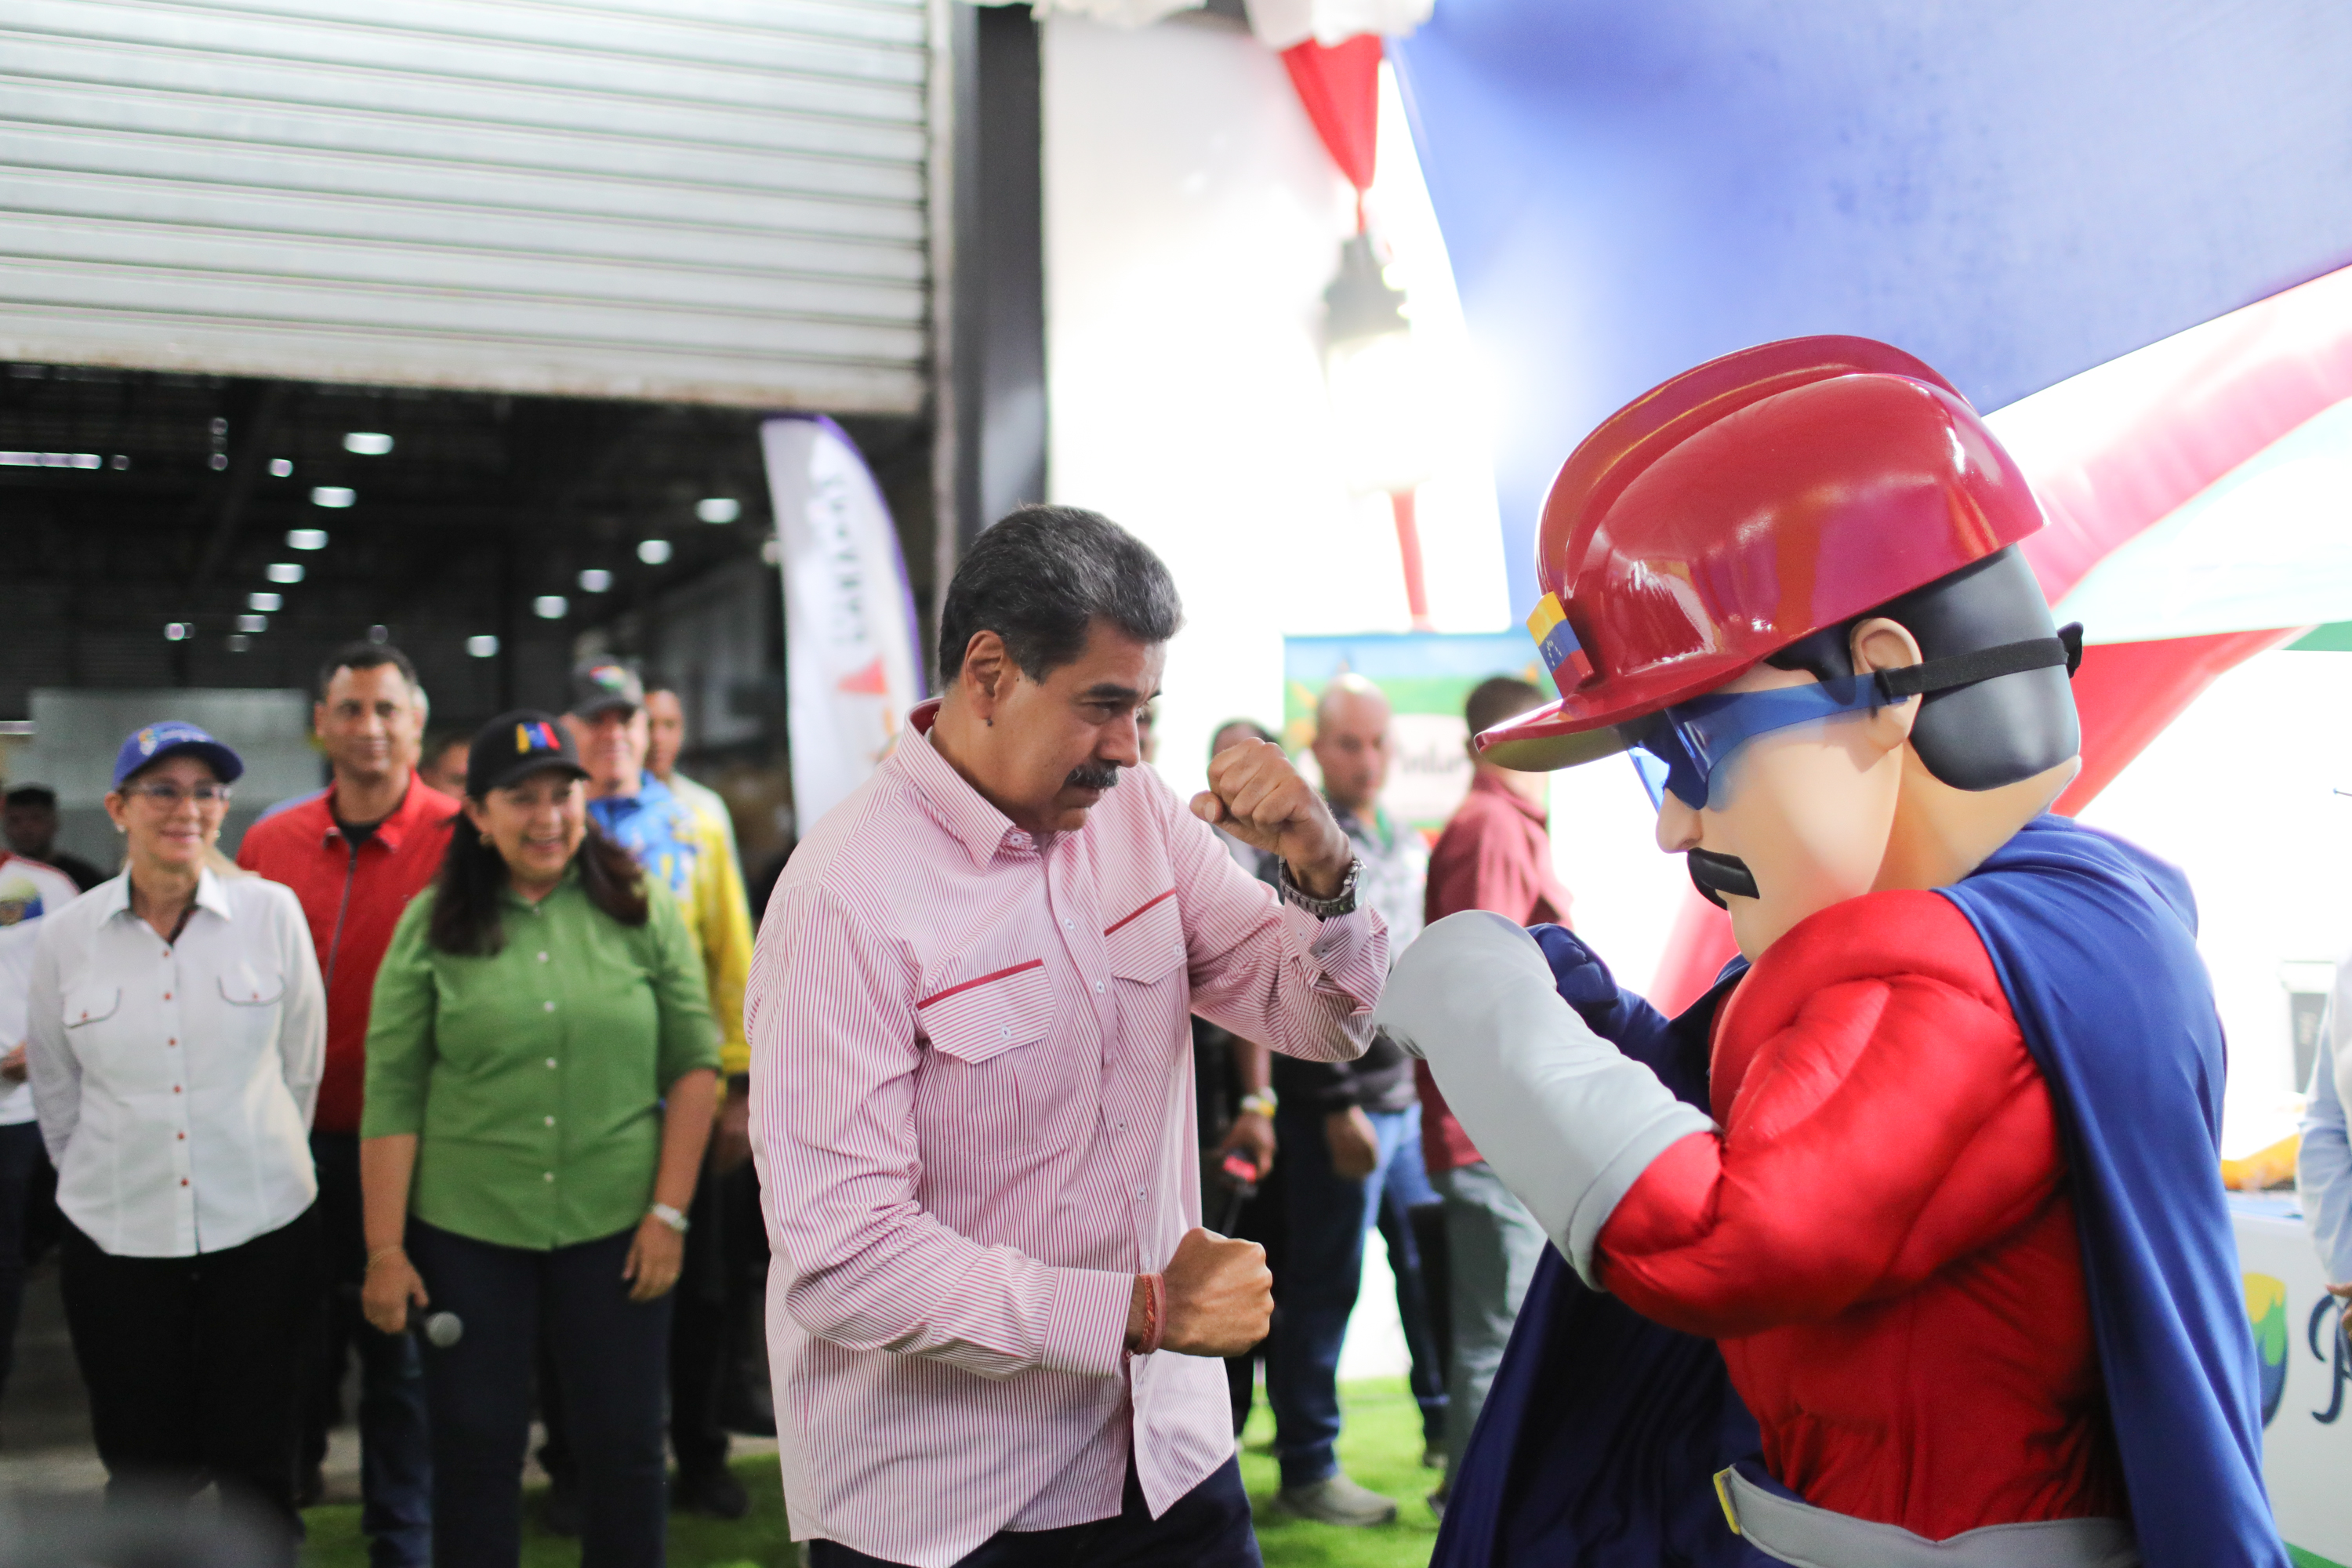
x,y
1906,1245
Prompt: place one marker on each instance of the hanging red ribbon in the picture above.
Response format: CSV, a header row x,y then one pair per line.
x,y
1340,87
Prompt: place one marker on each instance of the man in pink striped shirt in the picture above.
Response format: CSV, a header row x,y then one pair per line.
x,y
992,1315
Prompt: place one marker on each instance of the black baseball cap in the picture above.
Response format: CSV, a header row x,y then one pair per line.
x,y
603,685
515,745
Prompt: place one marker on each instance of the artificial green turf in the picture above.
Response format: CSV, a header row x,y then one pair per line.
x,y
1379,1444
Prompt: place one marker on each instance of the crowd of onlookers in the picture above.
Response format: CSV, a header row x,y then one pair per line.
x,y
445,1073
447,1079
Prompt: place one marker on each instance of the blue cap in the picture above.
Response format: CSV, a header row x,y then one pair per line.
x,y
156,741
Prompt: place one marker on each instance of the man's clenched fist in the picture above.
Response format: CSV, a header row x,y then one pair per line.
x,y
1220,1297
1257,796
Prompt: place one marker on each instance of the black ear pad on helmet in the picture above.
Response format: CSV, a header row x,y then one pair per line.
x,y
1994,733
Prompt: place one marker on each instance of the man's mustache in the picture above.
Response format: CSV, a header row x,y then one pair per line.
x,y
1714,875
1093,775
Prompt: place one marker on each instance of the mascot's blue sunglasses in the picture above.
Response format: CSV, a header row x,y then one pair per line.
x,y
1680,749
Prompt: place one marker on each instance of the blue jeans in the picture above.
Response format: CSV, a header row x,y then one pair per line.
x,y
611,1355
395,1448
1323,1270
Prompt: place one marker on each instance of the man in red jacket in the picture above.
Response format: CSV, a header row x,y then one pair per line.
x,y
355,855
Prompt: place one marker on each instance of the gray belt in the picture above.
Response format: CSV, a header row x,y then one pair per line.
x,y
1807,1537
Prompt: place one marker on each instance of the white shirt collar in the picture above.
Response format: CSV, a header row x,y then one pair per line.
x,y
211,894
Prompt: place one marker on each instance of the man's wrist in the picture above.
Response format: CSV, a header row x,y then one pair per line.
x,y
1327,897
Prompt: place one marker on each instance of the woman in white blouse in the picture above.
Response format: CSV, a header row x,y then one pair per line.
x,y
178,1028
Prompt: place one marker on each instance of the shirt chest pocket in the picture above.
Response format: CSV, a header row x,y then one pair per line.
x,y
89,1007
251,995
1147,945
981,1019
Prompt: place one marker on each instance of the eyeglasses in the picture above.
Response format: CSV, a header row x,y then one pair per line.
x,y
170,795
1682,750
1685,746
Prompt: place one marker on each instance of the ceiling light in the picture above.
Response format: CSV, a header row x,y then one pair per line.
x,y
280,468
718,508
305,538
332,495
284,572
595,580
176,631
367,443
49,459
252,623
239,644
482,647
653,551
551,606
263,602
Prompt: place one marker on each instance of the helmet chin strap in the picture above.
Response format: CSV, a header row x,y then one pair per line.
x,y
1714,875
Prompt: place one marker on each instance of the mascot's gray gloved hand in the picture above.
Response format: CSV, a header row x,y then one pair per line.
x,y
1567,1120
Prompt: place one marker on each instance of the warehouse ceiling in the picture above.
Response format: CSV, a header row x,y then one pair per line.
x,y
143,511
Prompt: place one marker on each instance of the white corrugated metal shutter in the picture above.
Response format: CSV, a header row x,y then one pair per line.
x,y
700,200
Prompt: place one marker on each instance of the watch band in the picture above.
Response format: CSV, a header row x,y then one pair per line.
x,y
669,1216
1342,902
1260,1102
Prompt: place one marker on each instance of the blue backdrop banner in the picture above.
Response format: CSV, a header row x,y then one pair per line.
x,y
2014,191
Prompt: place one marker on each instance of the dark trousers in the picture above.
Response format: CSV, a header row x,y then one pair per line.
x,y
608,1353
196,1366
700,1343
395,1448
1208,1527
1328,1217
20,1161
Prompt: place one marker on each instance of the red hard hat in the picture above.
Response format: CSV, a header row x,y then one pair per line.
x,y
1739,508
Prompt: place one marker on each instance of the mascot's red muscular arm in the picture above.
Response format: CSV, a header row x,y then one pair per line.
x,y
1880,1237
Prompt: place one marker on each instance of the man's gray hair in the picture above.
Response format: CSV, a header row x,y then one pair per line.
x,y
1041,576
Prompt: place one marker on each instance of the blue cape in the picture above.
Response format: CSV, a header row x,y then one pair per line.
x,y
1596,1445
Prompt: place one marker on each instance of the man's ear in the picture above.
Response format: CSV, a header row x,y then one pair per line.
x,y
983,677
1879,643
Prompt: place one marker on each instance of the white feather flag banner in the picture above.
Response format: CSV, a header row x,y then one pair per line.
x,y
853,662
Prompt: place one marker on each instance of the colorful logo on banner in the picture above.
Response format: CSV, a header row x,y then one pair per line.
x,y
852,660
2266,1312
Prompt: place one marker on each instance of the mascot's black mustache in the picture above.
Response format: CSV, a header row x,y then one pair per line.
x,y
1094,776
1714,875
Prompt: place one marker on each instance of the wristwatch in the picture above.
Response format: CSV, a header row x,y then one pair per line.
x,y
669,1216
1342,902
1258,1102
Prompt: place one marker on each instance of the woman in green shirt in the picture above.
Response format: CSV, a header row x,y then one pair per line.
x,y
541,1068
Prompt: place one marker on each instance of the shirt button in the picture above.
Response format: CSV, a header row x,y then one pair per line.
x,y
543,958
183,1137
1065,925
548,1006
167,996
184,1181
549,1177
173,1041
551,1121
550,1061
1005,1032
1138,1194
1098,987
175,1088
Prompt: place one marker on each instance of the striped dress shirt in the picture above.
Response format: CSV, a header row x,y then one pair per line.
x,y
972,1106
